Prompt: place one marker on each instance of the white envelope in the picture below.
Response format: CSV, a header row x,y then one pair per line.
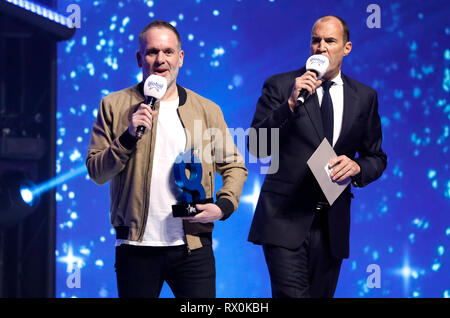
x,y
318,163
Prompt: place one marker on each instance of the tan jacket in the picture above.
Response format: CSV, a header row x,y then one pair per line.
x,y
116,156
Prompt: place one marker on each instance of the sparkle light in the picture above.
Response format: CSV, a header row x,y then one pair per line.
x,y
252,197
70,259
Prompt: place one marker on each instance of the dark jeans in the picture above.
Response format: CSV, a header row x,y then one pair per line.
x,y
308,271
141,271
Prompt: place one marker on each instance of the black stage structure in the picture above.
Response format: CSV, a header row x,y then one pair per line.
x,y
28,62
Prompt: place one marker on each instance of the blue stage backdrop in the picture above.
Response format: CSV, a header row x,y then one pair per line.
x,y
399,223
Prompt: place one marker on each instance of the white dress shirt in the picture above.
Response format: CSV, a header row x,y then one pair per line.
x,y
337,97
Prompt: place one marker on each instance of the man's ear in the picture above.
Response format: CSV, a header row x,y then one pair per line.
x,y
181,58
139,60
347,48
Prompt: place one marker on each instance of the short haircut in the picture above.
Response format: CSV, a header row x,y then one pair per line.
x,y
345,27
159,24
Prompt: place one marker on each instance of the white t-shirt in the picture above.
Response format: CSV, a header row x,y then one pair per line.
x,y
162,229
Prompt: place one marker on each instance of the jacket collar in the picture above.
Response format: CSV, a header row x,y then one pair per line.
x,y
350,101
182,95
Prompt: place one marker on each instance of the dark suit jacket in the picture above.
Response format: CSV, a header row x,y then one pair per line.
x,y
285,208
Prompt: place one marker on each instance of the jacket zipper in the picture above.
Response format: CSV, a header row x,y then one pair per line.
x,y
211,187
189,252
146,196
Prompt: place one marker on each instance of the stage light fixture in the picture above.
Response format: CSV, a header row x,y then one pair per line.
x,y
17,200
39,16
40,10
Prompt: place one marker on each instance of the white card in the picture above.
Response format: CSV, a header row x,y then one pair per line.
x,y
318,163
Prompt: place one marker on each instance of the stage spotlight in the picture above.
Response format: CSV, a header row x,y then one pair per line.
x,y
19,196
17,200
27,195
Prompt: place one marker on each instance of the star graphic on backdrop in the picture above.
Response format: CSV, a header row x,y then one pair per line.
x,y
70,259
252,197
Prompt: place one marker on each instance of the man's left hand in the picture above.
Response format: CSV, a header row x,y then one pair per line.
x,y
210,213
343,168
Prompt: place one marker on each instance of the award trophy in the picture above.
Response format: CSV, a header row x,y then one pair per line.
x,y
191,189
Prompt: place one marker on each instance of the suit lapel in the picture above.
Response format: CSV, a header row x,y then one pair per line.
x,y
312,108
350,109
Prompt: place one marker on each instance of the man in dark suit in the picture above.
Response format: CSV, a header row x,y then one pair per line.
x,y
304,238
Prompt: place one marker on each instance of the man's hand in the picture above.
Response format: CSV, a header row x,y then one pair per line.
x,y
343,168
307,81
142,117
210,213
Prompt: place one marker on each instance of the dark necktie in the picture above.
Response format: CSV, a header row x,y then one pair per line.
x,y
327,112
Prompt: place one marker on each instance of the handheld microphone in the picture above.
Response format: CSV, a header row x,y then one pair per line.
x,y
318,64
155,87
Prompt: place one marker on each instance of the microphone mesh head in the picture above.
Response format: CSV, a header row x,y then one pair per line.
x,y
155,86
318,63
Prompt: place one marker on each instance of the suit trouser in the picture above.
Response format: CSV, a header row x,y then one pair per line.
x,y
142,270
308,271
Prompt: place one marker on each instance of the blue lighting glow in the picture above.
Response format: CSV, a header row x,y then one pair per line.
x,y
31,193
27,196
401,222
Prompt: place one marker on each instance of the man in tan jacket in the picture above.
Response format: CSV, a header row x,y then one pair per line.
x,y
153,246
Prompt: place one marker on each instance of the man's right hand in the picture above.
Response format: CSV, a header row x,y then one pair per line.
x,y
307,81
142,117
